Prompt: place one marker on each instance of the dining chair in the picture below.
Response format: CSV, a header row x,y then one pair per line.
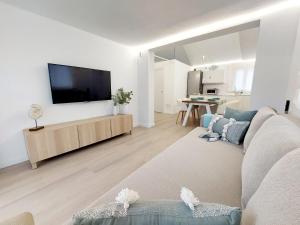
x,y
181,110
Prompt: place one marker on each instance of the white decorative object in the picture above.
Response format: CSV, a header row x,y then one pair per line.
x,y
127,197
123,109
215,118
188,197
226,127
35,113
115,110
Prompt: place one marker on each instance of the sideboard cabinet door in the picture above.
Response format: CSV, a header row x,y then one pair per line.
x,y
92,132
50,142
62,140
121,124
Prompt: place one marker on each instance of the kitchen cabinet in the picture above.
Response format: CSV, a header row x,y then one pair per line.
x,y
214,77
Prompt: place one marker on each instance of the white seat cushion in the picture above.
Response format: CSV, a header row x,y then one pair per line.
x,y
261,116
277,200
212,170
273,140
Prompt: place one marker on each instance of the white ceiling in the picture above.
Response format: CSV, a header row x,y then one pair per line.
x,y
239,45
215,49
135,22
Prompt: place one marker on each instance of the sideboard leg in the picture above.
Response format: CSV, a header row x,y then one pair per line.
x,y
34,165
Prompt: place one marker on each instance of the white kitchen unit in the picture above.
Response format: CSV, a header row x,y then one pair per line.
x,y
214,77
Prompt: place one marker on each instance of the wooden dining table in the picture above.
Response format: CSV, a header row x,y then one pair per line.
x,y
199,102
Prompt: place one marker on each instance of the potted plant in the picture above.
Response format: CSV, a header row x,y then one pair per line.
x,y
123,98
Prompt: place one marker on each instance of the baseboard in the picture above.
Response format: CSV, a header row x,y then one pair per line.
x,y
14,163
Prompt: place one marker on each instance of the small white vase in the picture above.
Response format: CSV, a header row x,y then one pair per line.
x,y
115,110
123,109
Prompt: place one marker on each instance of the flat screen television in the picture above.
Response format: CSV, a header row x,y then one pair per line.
x,y
76,84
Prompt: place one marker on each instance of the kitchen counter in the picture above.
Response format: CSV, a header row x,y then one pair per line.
x,y
223,95
241,101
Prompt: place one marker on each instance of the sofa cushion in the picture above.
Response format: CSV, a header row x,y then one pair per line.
x,y
159,212
277,200
211,169
273,140
239,115
262,115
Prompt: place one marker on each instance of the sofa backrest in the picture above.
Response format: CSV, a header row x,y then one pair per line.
x,y
277,200
261,116
273,140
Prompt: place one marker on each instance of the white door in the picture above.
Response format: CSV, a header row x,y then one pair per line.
x,y
159,90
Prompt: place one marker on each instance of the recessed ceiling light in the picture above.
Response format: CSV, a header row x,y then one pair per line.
x,y
221,24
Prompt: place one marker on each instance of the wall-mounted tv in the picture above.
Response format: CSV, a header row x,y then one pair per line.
x,y
76,84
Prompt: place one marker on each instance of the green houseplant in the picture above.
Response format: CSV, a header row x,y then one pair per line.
x,y
122,98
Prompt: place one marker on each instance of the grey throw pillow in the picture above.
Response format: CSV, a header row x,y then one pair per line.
x,y
159,213
239,115
237,131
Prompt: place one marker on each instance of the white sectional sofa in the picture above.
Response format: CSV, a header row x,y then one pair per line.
x,y
265,181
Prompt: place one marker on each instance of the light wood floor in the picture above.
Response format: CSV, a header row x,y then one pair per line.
x,y
68,183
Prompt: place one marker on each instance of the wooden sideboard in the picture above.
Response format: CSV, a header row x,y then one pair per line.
x,y
60,138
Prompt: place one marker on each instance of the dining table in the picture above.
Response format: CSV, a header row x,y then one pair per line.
x,y
191,102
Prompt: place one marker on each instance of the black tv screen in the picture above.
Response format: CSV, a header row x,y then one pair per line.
x,y
76,84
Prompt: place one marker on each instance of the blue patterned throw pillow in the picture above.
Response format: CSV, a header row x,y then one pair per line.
x,y
159,213
218,126
229,129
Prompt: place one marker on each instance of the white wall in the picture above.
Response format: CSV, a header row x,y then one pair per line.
x,y
248,43
273,59
181,73
175,83
293,92
146,88
168,79
27,43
